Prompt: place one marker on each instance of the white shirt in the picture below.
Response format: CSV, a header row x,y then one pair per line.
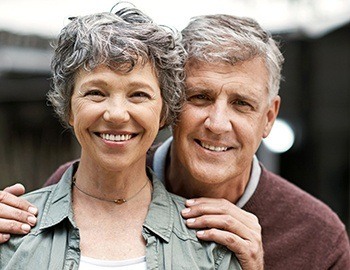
x,y
87,263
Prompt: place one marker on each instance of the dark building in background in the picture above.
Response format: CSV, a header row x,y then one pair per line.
x,y
32,141
315,101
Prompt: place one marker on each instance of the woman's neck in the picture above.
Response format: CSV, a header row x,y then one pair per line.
x,y
110,183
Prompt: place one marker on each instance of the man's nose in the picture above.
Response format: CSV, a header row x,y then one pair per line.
x,y
117,111
218,120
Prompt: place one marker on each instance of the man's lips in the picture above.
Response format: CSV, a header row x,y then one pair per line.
x,y
211,147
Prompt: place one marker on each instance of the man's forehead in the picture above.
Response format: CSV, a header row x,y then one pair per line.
x,y
247,76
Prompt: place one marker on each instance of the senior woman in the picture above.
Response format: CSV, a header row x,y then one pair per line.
x,y
117,79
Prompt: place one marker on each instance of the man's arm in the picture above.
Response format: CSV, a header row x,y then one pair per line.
x,y
56,176
226,224
17,215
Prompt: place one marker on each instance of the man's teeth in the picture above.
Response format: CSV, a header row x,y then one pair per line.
x,y
116,138
213,148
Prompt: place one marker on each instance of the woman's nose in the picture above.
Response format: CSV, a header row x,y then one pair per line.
x,y
117,111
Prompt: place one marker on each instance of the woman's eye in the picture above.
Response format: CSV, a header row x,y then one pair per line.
x,y
140,96
94,93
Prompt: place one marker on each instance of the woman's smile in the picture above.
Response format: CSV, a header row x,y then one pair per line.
x,y
111,112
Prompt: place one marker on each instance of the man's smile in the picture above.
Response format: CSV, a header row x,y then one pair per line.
x,y
211,147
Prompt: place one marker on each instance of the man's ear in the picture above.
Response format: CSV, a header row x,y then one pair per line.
x,y
271,115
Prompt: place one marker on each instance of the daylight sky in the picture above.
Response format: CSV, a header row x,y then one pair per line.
x,y
47,17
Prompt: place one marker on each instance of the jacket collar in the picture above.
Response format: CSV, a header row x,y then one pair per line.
x,y
161,213
59,204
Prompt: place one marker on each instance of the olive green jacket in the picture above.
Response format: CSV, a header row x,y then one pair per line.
x,y
54,242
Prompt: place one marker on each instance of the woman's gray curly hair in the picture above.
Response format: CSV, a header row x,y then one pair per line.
x,y
119,40
231,39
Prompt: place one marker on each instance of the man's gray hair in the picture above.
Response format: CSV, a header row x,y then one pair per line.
x,y
231,39
120,41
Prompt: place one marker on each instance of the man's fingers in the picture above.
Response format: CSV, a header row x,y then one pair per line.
x,y
208,206
230,240
201,206
221,222
4,237
9,199
249,253
16,215
11,213
224,223
16,189
13,227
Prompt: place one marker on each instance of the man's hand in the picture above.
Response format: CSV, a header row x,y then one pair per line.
x,y
16,214
226,224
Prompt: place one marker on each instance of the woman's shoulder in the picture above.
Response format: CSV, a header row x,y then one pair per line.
x,y
40,196
194,250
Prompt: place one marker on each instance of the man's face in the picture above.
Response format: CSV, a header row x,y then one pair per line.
x,y
224,120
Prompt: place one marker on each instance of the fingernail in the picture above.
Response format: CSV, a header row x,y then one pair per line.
x,y
200,233
25,228
5,237
31,220
190,220
32,210
185,211
190,202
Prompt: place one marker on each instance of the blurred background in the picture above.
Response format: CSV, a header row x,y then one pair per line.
x,y
309,145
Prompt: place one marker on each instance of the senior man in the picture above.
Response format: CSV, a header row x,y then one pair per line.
x,y
233,75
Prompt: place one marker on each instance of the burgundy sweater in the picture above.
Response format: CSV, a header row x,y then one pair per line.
x,y
298,231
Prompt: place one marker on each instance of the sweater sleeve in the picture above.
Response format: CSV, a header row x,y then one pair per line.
x,y
56,176
339,258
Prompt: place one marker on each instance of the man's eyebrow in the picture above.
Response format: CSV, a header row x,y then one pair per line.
x,y
198,89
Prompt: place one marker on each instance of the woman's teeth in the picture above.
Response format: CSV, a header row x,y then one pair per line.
x,y
115,138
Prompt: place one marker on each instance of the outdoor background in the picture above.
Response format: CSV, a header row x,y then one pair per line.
x,y
315,40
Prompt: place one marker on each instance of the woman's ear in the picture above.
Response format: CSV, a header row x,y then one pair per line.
x,y
162,122
163,117
71,119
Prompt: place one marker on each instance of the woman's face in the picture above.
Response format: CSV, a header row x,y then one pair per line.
x,y
115,115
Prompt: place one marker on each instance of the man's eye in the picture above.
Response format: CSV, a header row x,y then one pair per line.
x,y
241,103
198,97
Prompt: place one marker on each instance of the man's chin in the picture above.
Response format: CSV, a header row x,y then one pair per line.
x,y
210,176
